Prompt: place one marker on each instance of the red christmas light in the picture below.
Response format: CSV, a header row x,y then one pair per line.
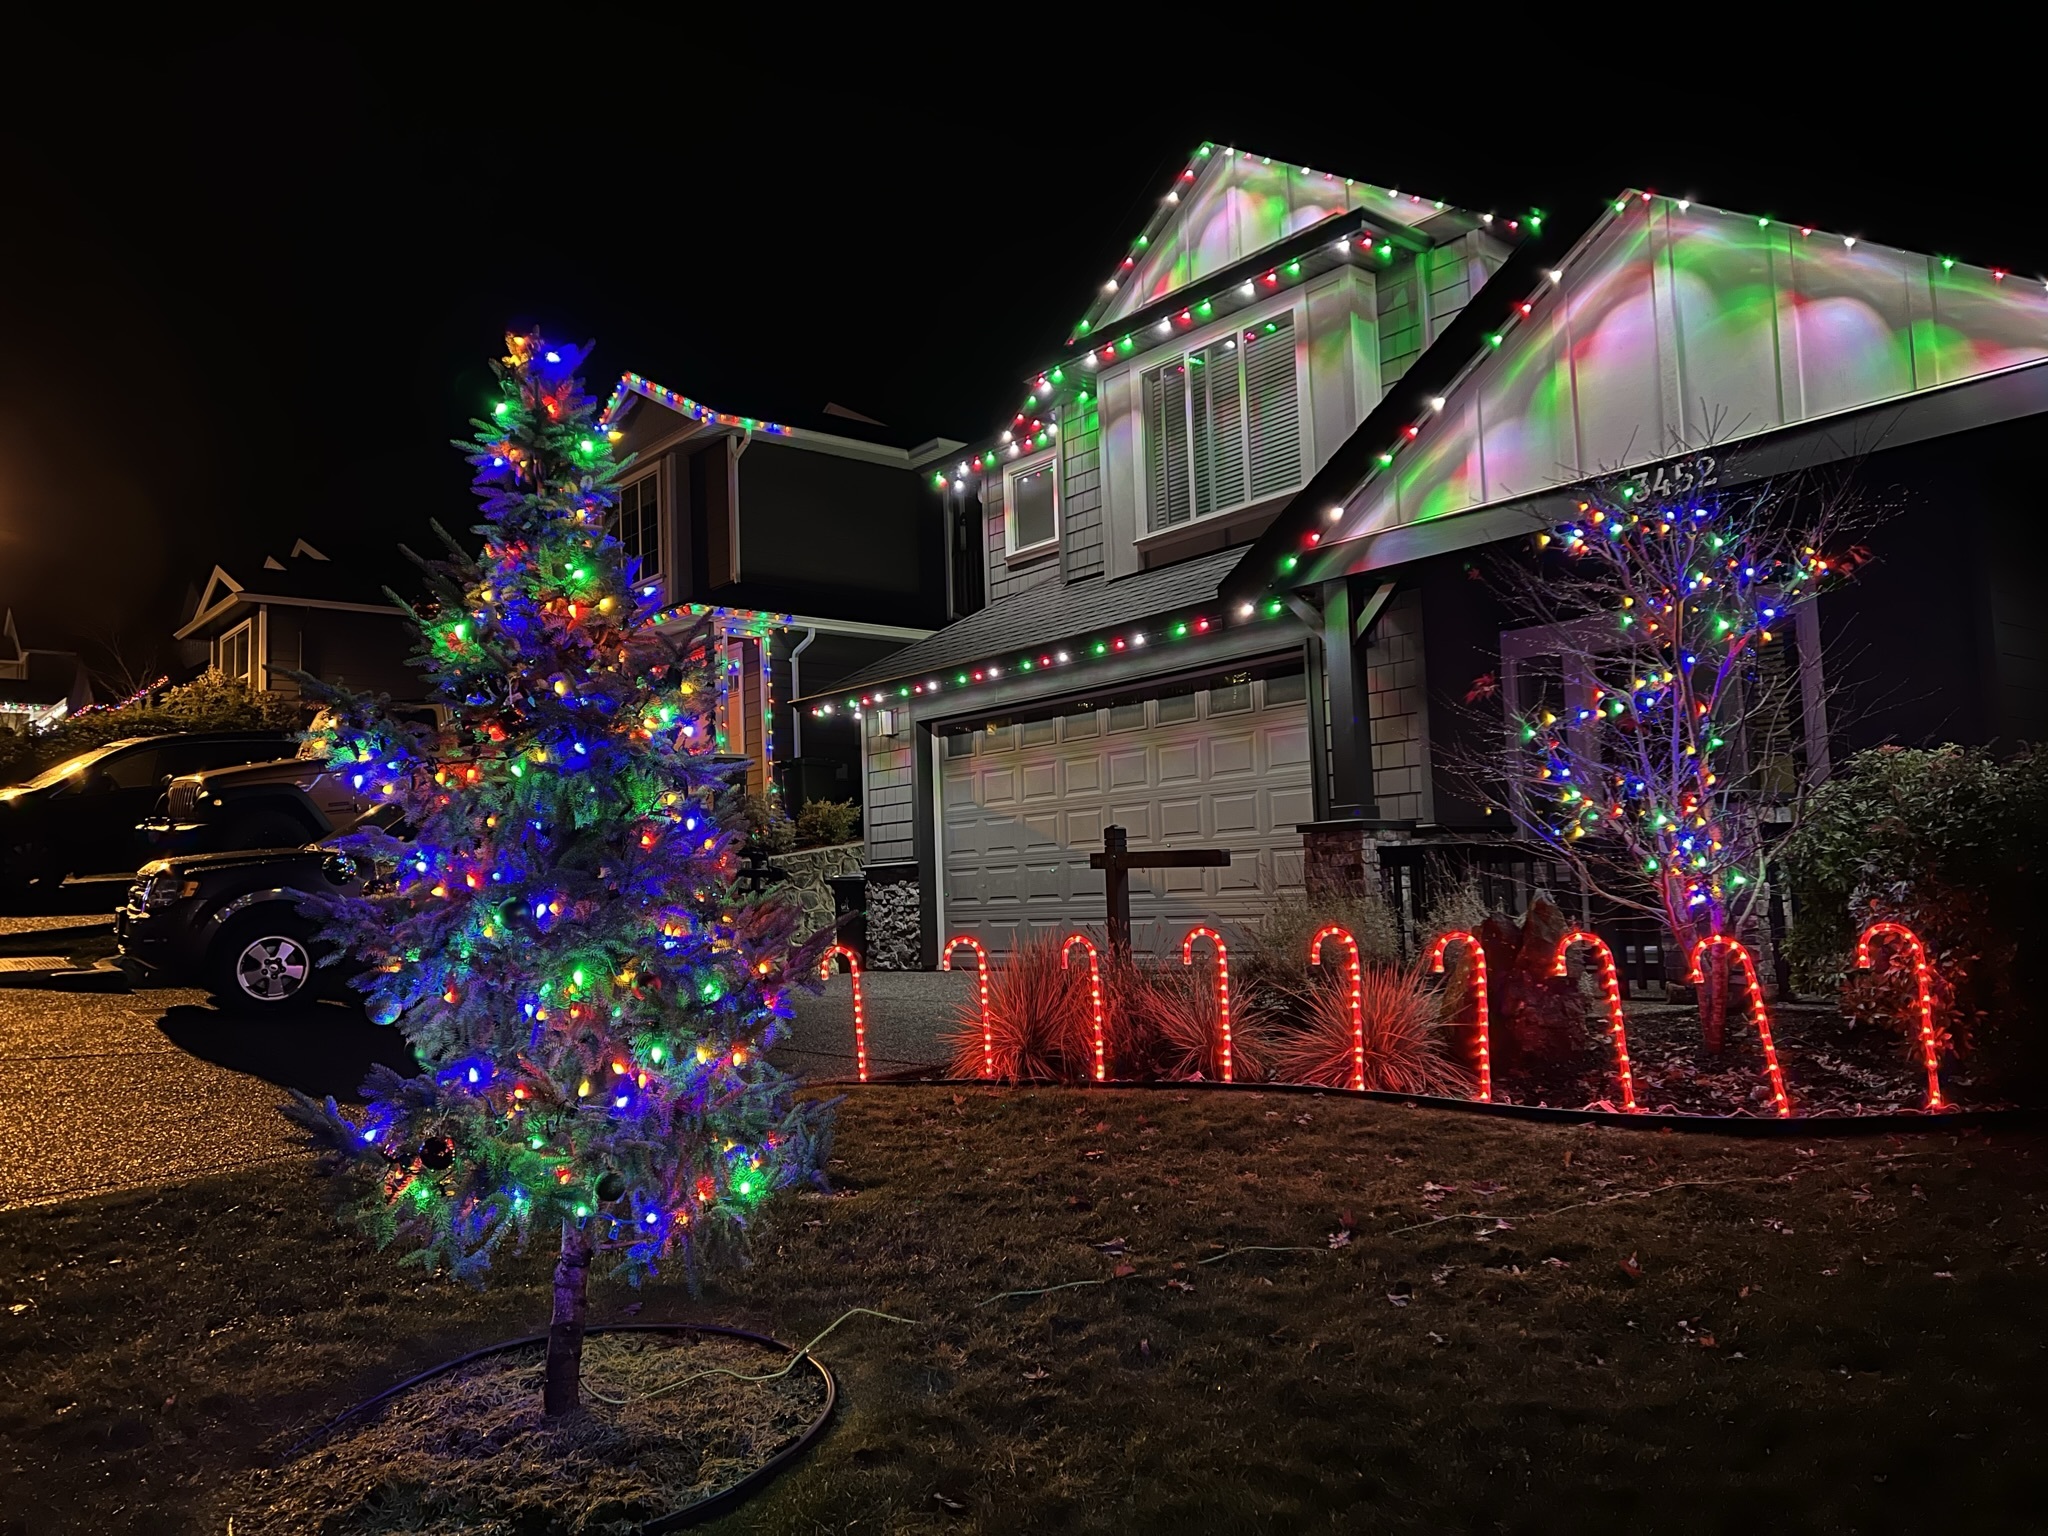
x,y
1436,963
1315,957
1923,982
1757,1011
860,1020
1187,957
1094,995
1610,981
988,1037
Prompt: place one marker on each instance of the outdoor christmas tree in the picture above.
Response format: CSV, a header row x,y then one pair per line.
x,y
1658,722
562,942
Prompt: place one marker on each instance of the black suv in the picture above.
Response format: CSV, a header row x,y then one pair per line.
x,y
230,922
79,817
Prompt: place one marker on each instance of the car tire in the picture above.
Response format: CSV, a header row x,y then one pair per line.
x,y
263,962
267,829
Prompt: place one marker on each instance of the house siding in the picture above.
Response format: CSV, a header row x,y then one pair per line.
x,y
891,791
1395,686
1081,493
1006,579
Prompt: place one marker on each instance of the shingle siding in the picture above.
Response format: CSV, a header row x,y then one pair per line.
x,y
1081,495
890,789
1005,579
1400,714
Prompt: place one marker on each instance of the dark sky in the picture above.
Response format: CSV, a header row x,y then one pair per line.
x,y
249,278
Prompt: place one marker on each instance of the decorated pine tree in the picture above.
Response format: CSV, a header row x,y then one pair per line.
x,y
562,941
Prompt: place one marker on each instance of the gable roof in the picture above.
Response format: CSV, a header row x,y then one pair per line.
x,y
844,431
1227,205
1670,327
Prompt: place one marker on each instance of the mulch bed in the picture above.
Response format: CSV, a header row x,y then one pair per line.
x,y
469,1452
1832,1066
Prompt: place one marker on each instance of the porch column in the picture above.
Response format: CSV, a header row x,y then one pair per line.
x,y
1351,783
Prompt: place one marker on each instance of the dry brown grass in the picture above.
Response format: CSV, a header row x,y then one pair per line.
x,y
1793,1335
1038,1017
1405,1048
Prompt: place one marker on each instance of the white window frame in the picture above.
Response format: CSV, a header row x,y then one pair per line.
x,y
657,570
1186,344
247,674
1012,472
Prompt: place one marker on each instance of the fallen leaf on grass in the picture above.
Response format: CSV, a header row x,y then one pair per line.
x,y
1557,1263
952,1506
1123,1271
1094,1154
1487,1187
1441,1276
1036,1374
1114,1245
1943,1274
1707,1341
1631,1268
1177,1284
1397,1298
1340,1239
1436,1338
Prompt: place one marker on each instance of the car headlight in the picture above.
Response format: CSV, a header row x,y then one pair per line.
x,y
163,890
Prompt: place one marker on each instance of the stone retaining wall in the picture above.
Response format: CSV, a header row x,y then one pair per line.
x,y
805,873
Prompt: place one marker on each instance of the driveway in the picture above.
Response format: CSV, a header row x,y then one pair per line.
x,y
118,1091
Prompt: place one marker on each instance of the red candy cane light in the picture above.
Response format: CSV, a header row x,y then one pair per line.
x,y
1484,1019
1610,982
860,1019
1923,982
1187,957
988,1037
1094,996
1757,1011
1357,978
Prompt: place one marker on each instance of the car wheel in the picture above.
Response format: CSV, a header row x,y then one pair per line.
x,y
267,829
263,962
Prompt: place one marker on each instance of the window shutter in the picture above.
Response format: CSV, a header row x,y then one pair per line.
x,y
1218,442
1166,432
1272,408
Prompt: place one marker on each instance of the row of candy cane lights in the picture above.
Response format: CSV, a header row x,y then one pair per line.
x,y
1340,939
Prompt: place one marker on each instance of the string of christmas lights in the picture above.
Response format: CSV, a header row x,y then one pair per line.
x,y
1094,996
988,1032
1482,1021
1187,957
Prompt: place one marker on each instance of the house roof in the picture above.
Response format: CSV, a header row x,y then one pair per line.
x,y
1670,328
833,425
1048,615
326,576
51,676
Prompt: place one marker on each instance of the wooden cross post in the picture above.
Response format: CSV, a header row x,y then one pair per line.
x,y
1116,861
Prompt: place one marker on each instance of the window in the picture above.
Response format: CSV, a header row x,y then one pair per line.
x,y
134,770
1222,425
960,744
1031,505
236,651
1231,696
635,521
1175,708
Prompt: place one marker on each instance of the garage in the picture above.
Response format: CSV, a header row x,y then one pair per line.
x,y
1222,763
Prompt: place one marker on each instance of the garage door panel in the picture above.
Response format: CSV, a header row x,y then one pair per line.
x,y
1084,826
1286,747
997,785
1230,754
1180,819
1042,830
1180,763
1045,880
1040,781
1237,811
1002,882
1130,768
1135,817
1290,807
1084,773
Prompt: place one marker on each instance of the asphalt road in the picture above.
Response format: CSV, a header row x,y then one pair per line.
x,y
118,1091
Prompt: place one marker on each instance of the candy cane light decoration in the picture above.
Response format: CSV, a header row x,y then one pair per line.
x,y
1484,1020
860,1020
988,1035
1187,957
1757,1011
1357,978
1923,983
1094,995
1610,982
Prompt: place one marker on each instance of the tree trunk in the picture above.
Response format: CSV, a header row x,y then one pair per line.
x,y
561,1394
1713,1000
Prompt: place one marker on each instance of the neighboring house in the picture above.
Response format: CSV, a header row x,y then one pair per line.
x,y
267,619
1232,534
38,688
816,548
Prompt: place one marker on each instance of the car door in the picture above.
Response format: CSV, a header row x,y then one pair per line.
x,y
119,791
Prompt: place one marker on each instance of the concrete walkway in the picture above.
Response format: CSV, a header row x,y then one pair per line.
x,y
908,1014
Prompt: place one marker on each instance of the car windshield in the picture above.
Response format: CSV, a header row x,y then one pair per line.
x,y
72,765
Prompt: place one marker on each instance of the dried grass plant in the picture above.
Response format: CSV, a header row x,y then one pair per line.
x,y
1275,951
1178,1031
1038,1016
1405,1049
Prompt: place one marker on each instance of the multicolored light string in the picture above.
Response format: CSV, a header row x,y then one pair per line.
x,y
1757,1012
634,384
1356,977
860,1019
1187,957
1094,997
988,1032
1610,982
1923,986
1481,1020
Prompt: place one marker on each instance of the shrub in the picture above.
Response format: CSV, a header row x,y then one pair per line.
x,y
1276,946
1038,1014
768,830
210,702
1404,1040
822,823
1954,844
1172,1031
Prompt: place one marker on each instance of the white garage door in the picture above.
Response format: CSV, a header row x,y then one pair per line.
x,y
1024,803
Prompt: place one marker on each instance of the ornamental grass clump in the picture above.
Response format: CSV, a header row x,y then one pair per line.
x,y
1174,1030
1404,1037
1038,1019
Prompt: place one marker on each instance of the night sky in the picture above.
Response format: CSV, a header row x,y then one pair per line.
x,y
249,279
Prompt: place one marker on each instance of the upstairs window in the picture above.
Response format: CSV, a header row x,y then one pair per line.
x,y
1222,425
236,652
1031,505
635,521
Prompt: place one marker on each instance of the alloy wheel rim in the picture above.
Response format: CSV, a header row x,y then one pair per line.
x,y
272,968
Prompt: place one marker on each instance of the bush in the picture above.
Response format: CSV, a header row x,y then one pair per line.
x,y
1038,1016
822,823
768,830
211,702
1404,1037
1276,946
1954,844
1168,1028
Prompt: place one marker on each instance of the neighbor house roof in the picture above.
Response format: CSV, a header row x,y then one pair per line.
x,y
304,577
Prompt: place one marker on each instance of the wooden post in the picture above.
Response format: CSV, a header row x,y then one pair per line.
x,y
1116,861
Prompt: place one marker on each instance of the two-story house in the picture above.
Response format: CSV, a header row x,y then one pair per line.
x,y
1231,533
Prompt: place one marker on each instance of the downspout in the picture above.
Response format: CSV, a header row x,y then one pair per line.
x,y
796,691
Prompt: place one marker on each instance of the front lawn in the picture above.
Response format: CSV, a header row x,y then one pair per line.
x,y
1644,1332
